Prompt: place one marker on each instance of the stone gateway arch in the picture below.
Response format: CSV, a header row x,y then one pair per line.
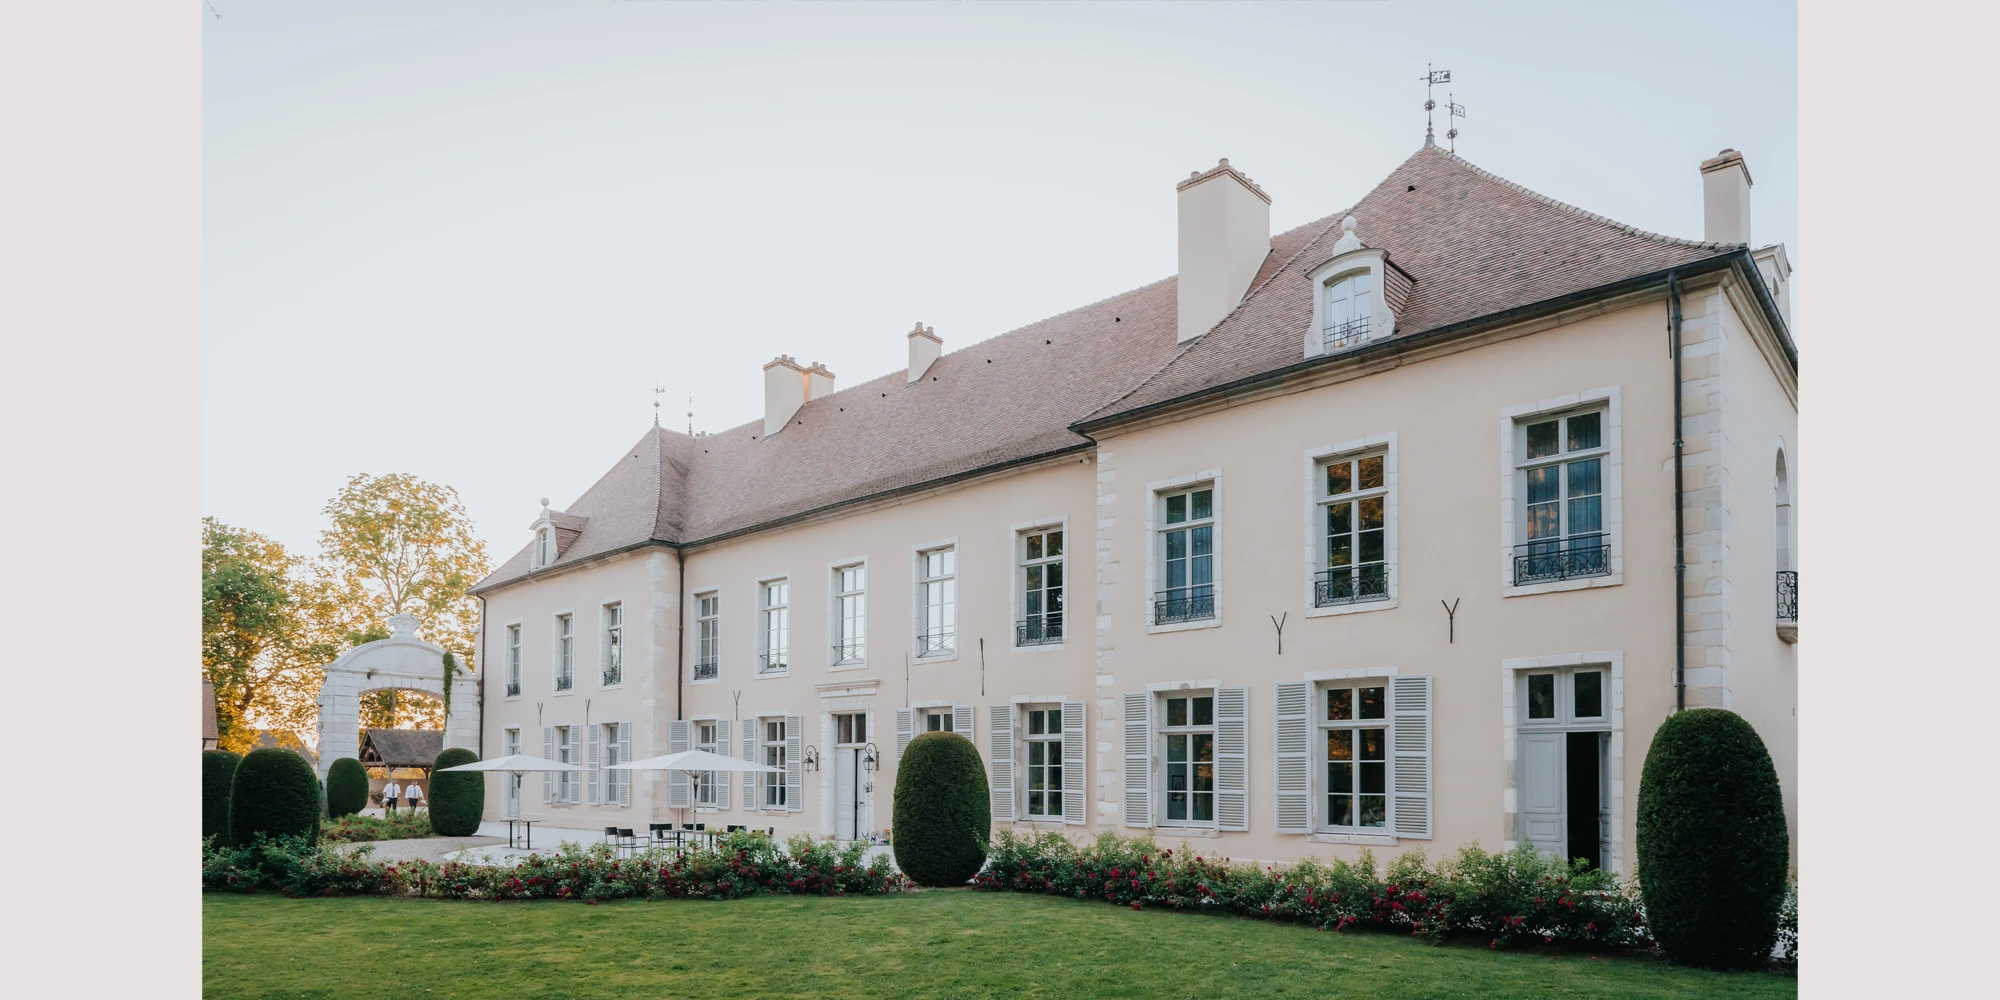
x,y
401,662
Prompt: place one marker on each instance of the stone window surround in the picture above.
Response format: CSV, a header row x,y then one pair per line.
x,y
1154,517
833,569
1511,418
1613,660
555,650
1156,757
1015,583
842,697
757,611
603,641
1315,528
1316,789
515,623
917,552
694,597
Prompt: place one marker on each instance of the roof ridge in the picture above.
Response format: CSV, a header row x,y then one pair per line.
x,y
1625,227
659,474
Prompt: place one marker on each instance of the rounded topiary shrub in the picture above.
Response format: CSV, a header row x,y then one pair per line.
x,y
218,769
346,787
942,812
458,799
1712,840
275,793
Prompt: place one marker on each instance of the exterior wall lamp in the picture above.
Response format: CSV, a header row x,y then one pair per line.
x,y
811,758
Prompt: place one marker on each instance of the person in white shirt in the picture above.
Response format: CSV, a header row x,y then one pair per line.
x,y
389,793
413,795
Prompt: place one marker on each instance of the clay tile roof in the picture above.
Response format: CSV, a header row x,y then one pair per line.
x,y
1475,244
402,747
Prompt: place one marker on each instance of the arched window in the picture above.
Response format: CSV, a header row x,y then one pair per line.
x,y
1784,504
1345,318
545,548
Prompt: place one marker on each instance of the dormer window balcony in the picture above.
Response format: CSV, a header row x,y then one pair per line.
x,y
1352,333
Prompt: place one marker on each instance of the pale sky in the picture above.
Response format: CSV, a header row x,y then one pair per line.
x,y
466,240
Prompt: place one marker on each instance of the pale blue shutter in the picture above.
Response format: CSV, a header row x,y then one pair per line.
x,y
1232,758
1410,744
679,787
961,722
1074,807
548,753
723,748
906,730
624,757
794,764
1000,760
595,762
750,754
1294,768
575,751
1139,758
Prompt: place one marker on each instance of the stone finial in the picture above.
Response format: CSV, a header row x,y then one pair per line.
x,y
1348,239
404,624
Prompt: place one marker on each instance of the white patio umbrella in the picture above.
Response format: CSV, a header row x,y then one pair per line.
x,y
516,765
698,762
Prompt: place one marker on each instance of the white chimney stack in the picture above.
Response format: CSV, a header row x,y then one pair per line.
x,y
819,382
1725,198
784,392
1225,223
924,349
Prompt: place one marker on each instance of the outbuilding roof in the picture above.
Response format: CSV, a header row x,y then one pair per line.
x,y
401,747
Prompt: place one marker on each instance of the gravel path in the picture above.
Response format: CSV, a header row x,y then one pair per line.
x,y
424,848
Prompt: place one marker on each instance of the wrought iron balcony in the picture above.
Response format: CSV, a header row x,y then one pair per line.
x,y
612,676
562,682
706,670
1350,585
1347,334
1788,596
1038,630
513,689
850,652
936,643
770,662
1184,604
1562,559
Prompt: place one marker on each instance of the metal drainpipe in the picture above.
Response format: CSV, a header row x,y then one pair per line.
x,y
1680,527
480,676
680,636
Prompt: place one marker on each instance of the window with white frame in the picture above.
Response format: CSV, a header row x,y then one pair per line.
x,y
774,630
1044,777
850,615
774,756
1560,697
707,635
565,780
513,661
614,781
545,547
1354,530
1187,556
1355,730
704,781
1560,469
1188,732
935,720
614,643
1041,587
937,596
565,650
1344,318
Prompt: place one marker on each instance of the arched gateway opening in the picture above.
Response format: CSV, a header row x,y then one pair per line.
x,y
402,662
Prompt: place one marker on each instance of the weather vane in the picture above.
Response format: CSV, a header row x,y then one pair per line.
x,y
1456,111
1432,77
657,390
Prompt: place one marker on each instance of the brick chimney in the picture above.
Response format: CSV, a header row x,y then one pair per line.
x,y
1725,198
1225,224
925,346
784,392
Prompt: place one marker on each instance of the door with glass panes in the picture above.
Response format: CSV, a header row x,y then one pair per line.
x,y
1564,781
849,777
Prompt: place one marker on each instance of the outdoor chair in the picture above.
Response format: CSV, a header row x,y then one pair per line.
x,y
627,840
662,834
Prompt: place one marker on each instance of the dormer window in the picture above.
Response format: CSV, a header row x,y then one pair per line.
x,y
545,547
1345,312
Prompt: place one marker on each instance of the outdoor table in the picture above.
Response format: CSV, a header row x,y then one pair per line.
x,y
528,830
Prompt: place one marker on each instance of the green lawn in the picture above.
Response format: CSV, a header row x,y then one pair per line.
x,y
928,944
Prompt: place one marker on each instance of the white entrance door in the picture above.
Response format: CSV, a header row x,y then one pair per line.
x,y
1542,787
846,794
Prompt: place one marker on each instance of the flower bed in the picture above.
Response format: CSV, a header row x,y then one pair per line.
x,y
1519,896
404,824
738,866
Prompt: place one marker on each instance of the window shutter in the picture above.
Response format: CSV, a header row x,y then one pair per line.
x,y
548,753
624,757
794,765
575,751
961,722
1138,758
1073,804
679,791
750,754
1410,748
1000,759
1294,763
722,748
595,761
1232,758
906,725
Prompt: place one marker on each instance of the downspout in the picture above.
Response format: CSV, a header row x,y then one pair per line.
x,y
680,636
478,660
1680,528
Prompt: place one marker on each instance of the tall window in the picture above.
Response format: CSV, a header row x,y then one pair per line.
x,y
1354,550
614,643
707,635
1190,738
937,720
565,650
1041,588
850,614
565,780
513,660
1045,757
704,781
1187,547
614,781
1356,729
937,588
774,756
512,743
545,548
1788,576
1562,489
774,633
1346,316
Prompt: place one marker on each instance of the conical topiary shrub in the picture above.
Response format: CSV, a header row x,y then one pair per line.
x,y
1713,847
218,769
346,787
942,813
275,793
458,798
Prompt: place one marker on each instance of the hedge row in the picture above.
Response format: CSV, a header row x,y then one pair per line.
x,y
1518,896
740,865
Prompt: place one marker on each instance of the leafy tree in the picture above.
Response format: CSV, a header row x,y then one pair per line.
x,y
250,632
